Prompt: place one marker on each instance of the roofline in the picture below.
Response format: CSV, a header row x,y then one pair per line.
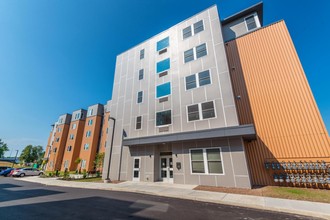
x,y
254,8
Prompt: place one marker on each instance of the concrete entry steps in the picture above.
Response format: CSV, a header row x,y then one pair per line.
x,y
315,209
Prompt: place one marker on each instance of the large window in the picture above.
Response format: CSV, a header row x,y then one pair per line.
x,y
90,112
163,90
88,133
197,80
74,126
90,121
71,136
250,23
163,65
140,97
162,44
141,71
207,161
163,118
193,29
77,116
201,111
86,146
138,122
69,148
195,53
83,164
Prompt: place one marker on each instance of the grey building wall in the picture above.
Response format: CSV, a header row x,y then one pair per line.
x,y
79,114
64,119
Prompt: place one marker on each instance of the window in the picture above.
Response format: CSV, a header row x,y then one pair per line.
x,y
74,126
163,65
138,122
141,54
141,74
77,116
193,113
208,110
107,130
206,161
201,51
201,111
71,136
60,120
163,90
69,148
55,149
83,164
250,23
88,133
90,121
90,112
140,97
196,27
186,32
203,78
195,53
66,164
105,144
58,129
163,118
86,146
162,44
57,139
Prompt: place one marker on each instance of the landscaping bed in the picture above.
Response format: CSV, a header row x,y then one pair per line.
x,y
306,194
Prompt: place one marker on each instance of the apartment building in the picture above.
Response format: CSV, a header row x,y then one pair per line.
x,y
77,136
208,102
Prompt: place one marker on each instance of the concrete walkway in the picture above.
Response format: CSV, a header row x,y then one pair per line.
x,y
315,209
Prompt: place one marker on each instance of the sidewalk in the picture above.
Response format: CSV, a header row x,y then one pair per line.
x,y
314,209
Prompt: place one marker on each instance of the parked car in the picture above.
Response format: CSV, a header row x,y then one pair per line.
x,y
6,172
3,168
27,172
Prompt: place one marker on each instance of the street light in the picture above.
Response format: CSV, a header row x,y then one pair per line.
x,y
111,146
15,158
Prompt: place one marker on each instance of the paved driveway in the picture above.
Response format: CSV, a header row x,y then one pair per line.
x,y
25,200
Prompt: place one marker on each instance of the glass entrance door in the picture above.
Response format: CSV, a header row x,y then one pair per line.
x,y
166,169
136,168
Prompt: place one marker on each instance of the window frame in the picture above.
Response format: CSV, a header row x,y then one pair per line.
x,y
197,80
142,53
159,50
137,97
136,122
74,126
192,29
255,20
205,161
86,144
195,53
169,65
200,111
159,126
163,95
90,122
141,74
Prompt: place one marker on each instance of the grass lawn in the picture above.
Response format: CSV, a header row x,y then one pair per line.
x,y
307,194
92,179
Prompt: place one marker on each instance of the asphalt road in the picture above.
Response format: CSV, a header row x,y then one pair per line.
x,y
25,200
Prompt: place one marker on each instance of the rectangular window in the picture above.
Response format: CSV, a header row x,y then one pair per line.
x,y
206,161
162,44
198,27
74,126
90,121
88,133
57,139
71,136
86,146
141,54
140,97
163,90
201,51
90,112
163,118
197,161
189,55
55,149
208,110
83,164
204,78
250,23
69,148
186,32
138,122
77,116
193,113
141,74
191,82
163,65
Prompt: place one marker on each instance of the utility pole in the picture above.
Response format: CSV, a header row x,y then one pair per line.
x,y
15,158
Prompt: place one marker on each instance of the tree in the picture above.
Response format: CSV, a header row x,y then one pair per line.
x,y
32,154
3,148
99,158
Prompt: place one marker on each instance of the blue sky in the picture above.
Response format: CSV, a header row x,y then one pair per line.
x,y
57,56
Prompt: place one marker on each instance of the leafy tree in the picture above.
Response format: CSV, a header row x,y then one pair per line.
x,y
32,154
3,148
99,158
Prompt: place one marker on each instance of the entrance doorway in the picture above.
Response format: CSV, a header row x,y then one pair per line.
x,y
136,168
166,169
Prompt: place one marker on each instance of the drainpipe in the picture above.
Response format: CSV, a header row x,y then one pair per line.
x,y
111,146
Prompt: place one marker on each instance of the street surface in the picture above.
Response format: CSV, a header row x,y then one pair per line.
x,y
26,200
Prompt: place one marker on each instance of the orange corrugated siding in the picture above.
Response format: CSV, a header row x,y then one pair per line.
x,y
275,95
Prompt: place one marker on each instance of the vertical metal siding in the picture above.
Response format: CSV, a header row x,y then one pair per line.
x,y
267,74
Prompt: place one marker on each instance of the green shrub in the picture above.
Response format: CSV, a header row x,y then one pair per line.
x,y
84,173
